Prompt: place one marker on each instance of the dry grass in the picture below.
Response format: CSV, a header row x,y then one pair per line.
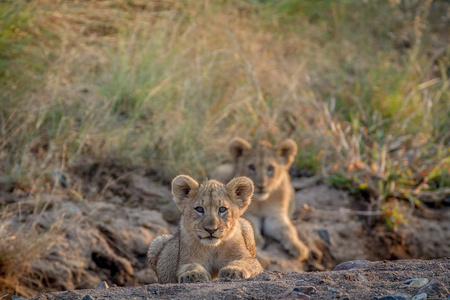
x,y
21,243
164,85
362,86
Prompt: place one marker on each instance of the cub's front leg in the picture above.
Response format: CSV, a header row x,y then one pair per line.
x,y
242,268
193,273
282,229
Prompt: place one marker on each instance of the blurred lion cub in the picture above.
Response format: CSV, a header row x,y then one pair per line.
x,y
212,240
268,167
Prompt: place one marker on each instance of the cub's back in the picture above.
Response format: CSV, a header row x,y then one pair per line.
x,y
163,257
248,235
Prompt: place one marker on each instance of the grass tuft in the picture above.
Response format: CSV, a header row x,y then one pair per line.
x,y
20,246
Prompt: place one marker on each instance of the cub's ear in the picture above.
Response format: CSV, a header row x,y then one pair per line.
x,y
237,147
241,191
182,186
287,151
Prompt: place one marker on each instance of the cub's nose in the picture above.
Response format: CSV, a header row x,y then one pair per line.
x,y
210,231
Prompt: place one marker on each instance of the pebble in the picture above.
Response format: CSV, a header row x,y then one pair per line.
x,y
324,235
87,297
361,278
422,296
102,285
398,296
308,290
14,297
334,292
416,282
434,288
350,265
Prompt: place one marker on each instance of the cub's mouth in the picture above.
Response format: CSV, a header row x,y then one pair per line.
x,y
260,196
209,240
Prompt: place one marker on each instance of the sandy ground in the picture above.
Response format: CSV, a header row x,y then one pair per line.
x,y
358,280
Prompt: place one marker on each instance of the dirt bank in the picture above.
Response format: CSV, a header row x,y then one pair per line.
x,y
105,235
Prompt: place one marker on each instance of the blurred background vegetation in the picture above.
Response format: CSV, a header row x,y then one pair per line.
x,y
361,86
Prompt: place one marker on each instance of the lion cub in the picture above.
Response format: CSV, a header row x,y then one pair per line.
x,y
267,166
212,240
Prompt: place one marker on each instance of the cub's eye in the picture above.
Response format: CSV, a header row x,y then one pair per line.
x,y
270,170
199,209
252,168
222,209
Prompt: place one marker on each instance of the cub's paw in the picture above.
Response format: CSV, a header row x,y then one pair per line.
x,y
194,276
233,273
297,249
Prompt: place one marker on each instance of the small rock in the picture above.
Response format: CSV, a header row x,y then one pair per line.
x,y
102,285
422,296
361,278
350,265
334,292
14,297
87,297
394,297
434,288
416,282
308,290
295,295
324,235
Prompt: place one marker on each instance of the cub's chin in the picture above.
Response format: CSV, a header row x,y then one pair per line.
x,y
211,242
260,196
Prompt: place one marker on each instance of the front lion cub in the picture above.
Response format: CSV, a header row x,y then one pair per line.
x,y
212,240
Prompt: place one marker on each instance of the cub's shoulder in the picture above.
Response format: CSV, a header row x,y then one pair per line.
x,y
156,247
248,235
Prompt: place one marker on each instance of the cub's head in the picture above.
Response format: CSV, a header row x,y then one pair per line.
x,y
264,164
209,211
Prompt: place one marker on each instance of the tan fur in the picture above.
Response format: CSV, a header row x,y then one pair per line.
x,y
272,202
211,243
